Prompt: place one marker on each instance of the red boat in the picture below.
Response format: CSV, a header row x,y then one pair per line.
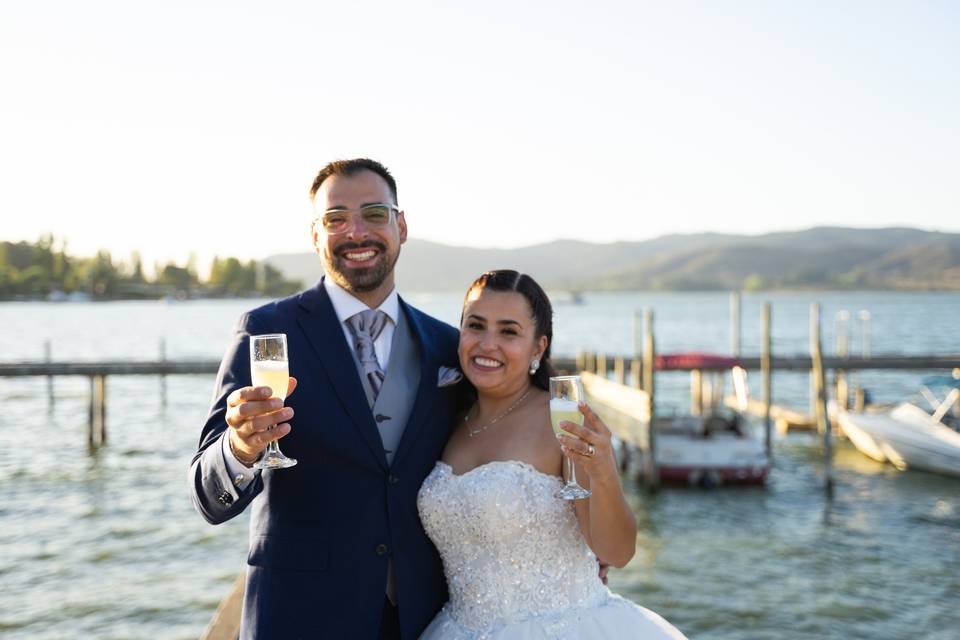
x,y
718,447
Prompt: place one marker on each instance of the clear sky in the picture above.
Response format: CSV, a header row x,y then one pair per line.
x,y
197,127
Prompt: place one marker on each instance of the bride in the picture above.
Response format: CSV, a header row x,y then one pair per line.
x,y
520,563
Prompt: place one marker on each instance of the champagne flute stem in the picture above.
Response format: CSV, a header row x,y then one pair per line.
x,y
573,472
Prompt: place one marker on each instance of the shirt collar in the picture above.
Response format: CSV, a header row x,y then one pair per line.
x,y
346,306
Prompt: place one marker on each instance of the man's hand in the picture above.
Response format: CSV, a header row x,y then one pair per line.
x,y
604,570
255,418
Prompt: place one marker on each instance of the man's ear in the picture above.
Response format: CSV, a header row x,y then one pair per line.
x,y
402,223
316,236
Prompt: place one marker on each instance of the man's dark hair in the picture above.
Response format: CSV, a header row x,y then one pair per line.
x,y
351,168
540,307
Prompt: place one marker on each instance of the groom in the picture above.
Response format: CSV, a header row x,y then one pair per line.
x,y
336,545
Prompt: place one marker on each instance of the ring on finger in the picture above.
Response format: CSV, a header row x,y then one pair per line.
x,y
590,450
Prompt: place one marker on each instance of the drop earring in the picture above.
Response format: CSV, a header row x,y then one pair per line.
x,y
534,365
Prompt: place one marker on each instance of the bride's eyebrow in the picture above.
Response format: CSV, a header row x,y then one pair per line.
x,y
506,321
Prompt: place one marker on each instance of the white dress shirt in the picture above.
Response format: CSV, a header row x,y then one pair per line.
x,y
345,306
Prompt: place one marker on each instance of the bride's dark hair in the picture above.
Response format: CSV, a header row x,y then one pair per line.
x,y
510,280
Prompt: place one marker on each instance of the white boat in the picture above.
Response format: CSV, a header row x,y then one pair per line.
x,y
908,436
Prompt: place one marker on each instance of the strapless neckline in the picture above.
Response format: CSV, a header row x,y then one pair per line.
x,y
493,463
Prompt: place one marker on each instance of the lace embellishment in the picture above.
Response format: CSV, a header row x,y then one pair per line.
x,y
510,550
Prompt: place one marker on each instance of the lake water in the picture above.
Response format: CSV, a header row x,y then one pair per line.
x,y
107,545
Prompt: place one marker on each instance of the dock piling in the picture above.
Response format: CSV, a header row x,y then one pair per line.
x,y
650,474
163,378
97,435
766,369
823,421
696,392
636,364
48,358
619,370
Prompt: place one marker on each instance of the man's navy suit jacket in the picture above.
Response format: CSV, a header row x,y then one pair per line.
x,y
322,532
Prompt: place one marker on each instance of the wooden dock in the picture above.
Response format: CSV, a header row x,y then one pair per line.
x,y
225,624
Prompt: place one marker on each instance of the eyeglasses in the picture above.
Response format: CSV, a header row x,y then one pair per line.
x,y
373,215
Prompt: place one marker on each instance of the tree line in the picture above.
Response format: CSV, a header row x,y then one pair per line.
x,y
44,269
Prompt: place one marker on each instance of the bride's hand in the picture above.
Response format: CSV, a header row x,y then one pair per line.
x,y
591,449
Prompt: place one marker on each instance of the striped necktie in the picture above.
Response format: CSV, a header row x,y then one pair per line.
x,y
366,327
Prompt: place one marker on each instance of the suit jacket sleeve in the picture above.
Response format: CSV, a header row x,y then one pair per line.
x,y
212,489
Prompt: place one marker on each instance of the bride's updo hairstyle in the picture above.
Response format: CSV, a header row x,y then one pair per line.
x,y
510,280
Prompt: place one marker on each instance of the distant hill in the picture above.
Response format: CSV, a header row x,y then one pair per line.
x,y
821,258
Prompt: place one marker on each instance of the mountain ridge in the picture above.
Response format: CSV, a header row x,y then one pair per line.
x,y
824,257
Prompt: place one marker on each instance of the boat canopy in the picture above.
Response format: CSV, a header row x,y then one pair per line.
x,y
694,360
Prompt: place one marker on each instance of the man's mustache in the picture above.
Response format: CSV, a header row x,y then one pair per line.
x,y
354,246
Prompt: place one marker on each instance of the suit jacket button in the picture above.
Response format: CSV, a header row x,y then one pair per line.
x,y
382,549
393,479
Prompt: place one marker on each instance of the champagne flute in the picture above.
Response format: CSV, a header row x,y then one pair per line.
x,y
566,394
268,368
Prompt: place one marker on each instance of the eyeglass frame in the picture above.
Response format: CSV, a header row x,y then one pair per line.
x,y
392,208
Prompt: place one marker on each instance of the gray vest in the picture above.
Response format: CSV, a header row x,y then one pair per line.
x,y
395,401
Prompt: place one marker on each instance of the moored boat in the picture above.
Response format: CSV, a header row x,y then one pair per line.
x,y
715,448
908,436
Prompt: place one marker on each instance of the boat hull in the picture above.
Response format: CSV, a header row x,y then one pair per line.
x,y
717,459
907,437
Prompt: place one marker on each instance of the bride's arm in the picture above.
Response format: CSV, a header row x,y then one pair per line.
x,y
606,519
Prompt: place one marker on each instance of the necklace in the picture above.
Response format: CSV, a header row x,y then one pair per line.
x,y
473,432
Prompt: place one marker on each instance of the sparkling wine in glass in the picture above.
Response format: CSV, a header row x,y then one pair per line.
x,y
566,393
268,368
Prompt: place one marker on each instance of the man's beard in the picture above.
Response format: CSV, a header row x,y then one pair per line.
x,y
359,280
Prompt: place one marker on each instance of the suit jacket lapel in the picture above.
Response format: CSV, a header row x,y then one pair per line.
x,y
428,381
323,331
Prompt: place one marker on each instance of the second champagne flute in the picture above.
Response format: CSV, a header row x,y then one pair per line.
x,y
269,368
566,393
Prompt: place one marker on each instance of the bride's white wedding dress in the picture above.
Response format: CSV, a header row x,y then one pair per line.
x,y
517,566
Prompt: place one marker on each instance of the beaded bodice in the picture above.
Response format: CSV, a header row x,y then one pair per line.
x,y
510,549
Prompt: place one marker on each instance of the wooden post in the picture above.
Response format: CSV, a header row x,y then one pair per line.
x,y
163,378
619,370
735,323
766,369
581,361
48,357
636,372
859,399
823,421
97,435
841,326
602,365
636,364
696,392
651,474
843,391
589,361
